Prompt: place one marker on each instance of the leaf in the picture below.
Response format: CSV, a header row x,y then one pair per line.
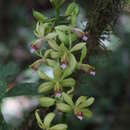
x,y
3,88
63,107
45,87
43,76
46,101
48,119
59,127
83,54
68,82
23,89
39,16
80,100
6,72
67,99
39,121
87,103
78,46
57,3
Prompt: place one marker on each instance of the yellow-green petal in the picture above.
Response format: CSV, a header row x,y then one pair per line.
x,y
59,127
45,87
67,99
48,119
39,121
46,101
63,107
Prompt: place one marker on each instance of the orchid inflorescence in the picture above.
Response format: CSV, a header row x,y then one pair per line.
x,y
57,41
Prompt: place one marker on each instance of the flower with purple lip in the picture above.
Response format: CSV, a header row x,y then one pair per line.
x,y
80,34
85,38
64,62
36,45
79,108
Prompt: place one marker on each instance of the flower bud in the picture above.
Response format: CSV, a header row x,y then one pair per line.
x,y
80,34
64,62
36,64
36,45
57,90
91,72
79,115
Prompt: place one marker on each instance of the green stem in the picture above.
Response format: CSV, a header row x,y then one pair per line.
x,y
57,15
63,117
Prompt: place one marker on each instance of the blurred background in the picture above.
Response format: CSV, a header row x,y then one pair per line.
x,y
110,86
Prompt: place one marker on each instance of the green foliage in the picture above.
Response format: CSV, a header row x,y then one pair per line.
x,y
27,89
6,75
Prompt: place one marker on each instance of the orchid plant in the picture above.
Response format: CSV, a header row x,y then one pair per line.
x,y
57,41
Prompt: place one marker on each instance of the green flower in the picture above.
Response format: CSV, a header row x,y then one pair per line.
x,y
46,123
67,59
57,84
79,108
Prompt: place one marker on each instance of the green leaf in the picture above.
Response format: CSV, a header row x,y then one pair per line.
x,y
53,44
39,16
67,99
23,89
78,46
83,54
48,119
45,87
57,3
6,72
59,127
63,107
46,101
3,89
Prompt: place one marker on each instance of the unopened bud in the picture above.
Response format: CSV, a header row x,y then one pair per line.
x,y
35,46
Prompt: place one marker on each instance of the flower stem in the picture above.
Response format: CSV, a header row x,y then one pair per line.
x,y
57,15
